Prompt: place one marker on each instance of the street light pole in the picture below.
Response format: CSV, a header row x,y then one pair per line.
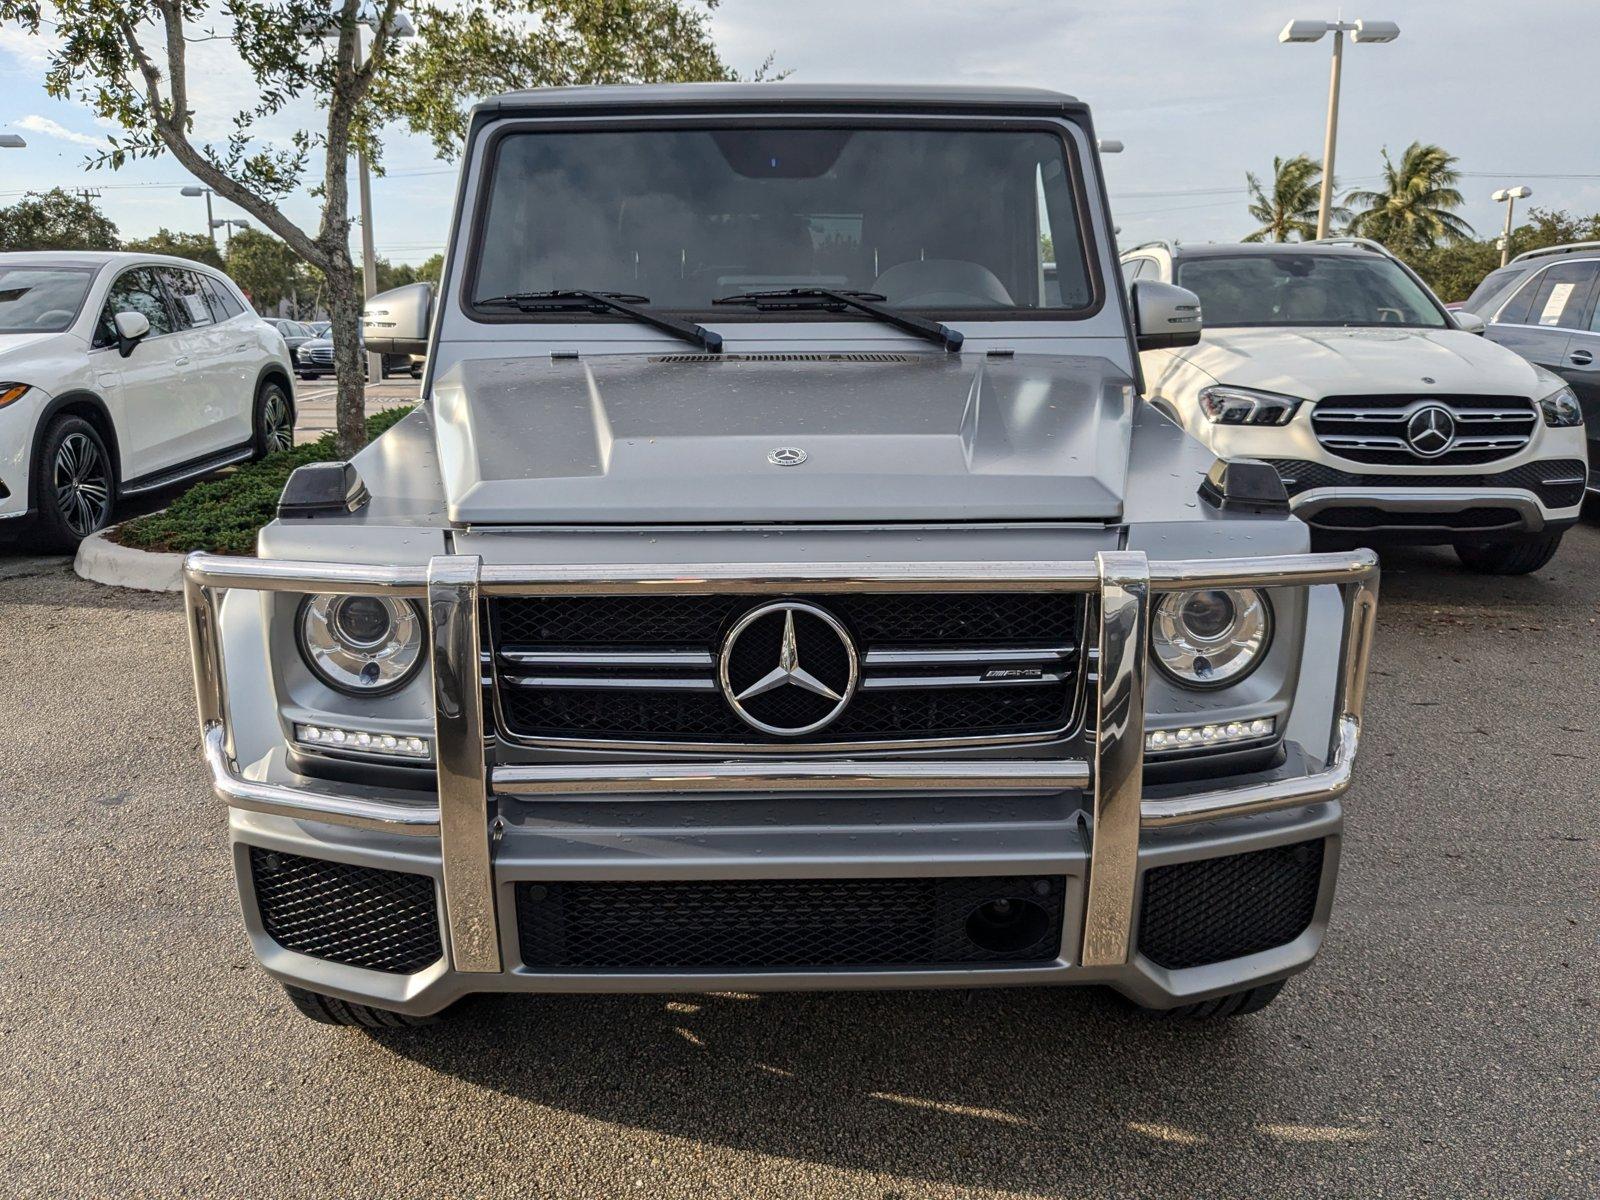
x,y
12,141
1313,31
211,221
1510,196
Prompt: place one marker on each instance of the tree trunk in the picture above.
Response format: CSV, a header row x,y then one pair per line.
x,y
344,307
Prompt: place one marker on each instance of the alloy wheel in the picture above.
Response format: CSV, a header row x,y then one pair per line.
x,y
82,481
278,422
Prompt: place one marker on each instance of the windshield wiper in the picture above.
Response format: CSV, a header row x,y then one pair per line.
x,y
867,302
622,303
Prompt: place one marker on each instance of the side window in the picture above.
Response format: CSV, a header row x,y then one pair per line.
x,y
1130,270
188,297
226,298
137,291
1557,298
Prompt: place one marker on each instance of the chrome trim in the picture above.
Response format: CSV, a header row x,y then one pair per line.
x,y
907,682
770,579
657,683
998,656
304,804
1422,500
557,660
632,779
458,748
1119,756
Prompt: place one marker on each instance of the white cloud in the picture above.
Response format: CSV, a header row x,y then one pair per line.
x,y
55,129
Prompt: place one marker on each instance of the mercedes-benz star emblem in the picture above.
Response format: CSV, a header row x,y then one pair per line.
x,y
788,668
786,456
1431,431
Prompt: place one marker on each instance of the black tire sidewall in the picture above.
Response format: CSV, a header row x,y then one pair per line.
x,y
1510,558
51,530
258,422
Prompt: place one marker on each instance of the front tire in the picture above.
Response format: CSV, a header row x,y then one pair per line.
x,y
1509,558
329,1010
74,482
274,420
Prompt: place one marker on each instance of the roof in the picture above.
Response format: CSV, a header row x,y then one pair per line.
x,y
751,96
97,258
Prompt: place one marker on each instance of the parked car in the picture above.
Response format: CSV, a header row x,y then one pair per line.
x,y
1386,416
1545,305
316,360
121,374
774,589
295,334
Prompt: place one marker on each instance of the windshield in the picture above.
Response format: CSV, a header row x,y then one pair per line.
x,y
41,299
1307,289
948,220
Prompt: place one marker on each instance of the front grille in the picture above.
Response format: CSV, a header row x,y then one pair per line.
x,y
1558,483
1214,909
321,356
645,668
1372,429
1475,520
789,924
360,916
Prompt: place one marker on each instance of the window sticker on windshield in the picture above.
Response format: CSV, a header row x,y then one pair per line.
x,y
1558,301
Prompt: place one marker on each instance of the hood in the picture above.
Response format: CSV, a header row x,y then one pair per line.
x,y
692,438
1313,363
10,342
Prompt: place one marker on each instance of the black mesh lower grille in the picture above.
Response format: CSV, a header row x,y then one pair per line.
x,y
360,916
1300,476
1215,909
1470,519
773,924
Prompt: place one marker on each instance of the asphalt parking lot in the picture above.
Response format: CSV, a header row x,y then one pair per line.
x,y
1444,1045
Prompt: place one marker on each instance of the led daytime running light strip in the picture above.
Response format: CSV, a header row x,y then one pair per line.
x,y
362,741
1188,737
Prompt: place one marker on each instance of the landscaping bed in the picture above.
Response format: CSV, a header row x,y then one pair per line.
x,y
223,515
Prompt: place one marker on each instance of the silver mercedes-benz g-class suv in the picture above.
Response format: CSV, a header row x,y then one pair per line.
x,y
778,587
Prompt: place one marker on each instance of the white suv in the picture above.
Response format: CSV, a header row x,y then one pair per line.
x,y
1387,417
123,373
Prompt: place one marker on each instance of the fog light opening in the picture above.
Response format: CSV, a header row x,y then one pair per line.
x,y
1007,924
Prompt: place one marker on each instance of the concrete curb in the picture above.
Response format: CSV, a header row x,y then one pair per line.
x,y
103,561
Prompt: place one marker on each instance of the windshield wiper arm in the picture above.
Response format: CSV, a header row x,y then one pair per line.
x,y
624,304
867,302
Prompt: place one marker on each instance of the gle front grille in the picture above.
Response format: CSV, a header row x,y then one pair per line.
x,y
1411,429
730,670
1559,483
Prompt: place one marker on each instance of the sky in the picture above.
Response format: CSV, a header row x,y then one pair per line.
x,y
1200,91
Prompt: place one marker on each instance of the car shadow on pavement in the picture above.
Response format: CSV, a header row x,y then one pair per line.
x,y
1017,1089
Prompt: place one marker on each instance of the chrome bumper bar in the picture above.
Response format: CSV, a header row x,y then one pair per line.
x,y
1120,585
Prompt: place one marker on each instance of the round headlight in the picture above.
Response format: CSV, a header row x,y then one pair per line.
x,y
361,645
1210,638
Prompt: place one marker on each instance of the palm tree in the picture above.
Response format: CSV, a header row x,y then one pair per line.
x,y
1414,209
1290,210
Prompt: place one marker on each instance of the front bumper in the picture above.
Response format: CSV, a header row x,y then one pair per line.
x,y
1089,830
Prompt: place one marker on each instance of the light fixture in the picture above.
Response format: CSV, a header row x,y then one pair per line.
x,y
1221,733
363,741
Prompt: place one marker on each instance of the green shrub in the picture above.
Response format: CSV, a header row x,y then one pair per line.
x,y
224,514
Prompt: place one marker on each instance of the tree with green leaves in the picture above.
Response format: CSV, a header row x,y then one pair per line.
x,y
1289,211
129,60
432,269
1414,210
56,220
266,269
195,246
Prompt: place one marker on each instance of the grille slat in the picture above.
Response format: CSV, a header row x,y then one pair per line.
x,y
651,672
1214,909
777,924
1370,429
360,916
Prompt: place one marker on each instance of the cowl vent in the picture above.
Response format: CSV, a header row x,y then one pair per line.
x,y
860,356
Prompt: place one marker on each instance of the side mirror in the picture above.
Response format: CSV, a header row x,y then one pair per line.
x,y
1165,317
1469,322
396,322
132,327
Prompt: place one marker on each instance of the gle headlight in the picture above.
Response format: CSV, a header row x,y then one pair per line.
x,y
1226,405
1560,409
1210,638
360,645
10,392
